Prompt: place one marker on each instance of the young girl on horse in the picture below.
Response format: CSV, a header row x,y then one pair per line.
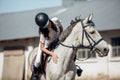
x,y
49,30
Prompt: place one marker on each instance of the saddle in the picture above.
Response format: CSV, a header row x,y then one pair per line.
x,y
46,58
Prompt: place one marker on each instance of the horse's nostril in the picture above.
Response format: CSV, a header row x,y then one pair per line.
x,y
106,50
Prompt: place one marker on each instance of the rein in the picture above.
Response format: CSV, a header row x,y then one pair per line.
x,y
77,47
91,47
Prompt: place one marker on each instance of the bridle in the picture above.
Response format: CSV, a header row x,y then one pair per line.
x,y
92,46
89,38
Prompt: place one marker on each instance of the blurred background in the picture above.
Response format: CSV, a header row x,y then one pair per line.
x,y
19,35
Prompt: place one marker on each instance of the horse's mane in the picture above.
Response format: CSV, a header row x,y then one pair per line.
x,y
68,30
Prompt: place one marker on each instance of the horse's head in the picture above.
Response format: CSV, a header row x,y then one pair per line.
x,y
88,37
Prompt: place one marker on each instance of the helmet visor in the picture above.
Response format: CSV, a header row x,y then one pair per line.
x,y
46,24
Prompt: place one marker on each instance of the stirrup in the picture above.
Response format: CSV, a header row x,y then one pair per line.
x,y
79,71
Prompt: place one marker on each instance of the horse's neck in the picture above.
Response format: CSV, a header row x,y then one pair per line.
x,y
76,32
68,53
67,58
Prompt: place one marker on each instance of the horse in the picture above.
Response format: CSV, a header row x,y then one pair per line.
x,y
80,34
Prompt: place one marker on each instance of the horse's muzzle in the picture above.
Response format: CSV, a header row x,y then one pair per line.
x,y
104,53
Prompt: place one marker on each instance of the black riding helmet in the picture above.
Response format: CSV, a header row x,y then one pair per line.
x,y
42,20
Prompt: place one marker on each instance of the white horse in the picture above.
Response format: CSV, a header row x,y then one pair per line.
x,y
80,34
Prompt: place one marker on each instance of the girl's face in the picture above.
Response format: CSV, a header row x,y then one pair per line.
x,y
49,25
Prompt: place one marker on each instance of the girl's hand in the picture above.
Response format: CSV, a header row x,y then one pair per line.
x,y
55,58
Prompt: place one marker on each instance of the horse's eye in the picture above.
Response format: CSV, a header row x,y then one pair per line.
x,y
92,32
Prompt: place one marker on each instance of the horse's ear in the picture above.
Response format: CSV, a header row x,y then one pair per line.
x,y
90,17
86,20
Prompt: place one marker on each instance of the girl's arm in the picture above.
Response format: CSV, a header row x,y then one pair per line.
x,y
45,50
54,56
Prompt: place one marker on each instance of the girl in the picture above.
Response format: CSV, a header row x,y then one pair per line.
x,y
49,30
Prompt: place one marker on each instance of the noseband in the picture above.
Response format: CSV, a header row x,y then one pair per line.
x,y
89,38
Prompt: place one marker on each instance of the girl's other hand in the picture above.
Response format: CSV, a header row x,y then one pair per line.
x,y
55,58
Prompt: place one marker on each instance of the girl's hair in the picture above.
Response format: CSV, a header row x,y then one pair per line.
x,y
45,31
